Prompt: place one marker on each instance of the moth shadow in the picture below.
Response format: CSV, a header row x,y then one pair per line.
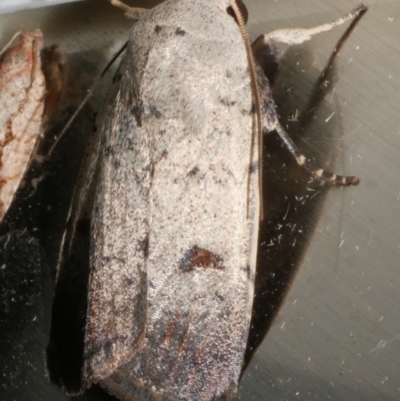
x,y
293,200
30,235
68,313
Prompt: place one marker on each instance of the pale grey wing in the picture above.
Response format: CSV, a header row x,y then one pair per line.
x,y
203,205
117,288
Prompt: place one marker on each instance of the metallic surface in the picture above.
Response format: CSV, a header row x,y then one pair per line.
x,y
8,6
337,335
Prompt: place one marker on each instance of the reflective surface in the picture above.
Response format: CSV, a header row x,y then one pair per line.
x,y
337,335
8,6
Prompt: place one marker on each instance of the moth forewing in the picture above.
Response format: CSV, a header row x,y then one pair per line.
x,y
175,219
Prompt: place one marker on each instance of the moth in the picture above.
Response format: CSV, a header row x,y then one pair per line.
x,y
22,91
169,196
31,81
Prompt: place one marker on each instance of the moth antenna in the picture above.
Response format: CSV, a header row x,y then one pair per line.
x,y
256,95
10,42
134,13
86,98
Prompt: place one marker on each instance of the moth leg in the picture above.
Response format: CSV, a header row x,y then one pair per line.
x,y
271,123
265,54
295,36
318,173
134,13
324,83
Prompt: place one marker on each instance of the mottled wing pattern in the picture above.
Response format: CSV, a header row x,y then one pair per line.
x,y
175,221
22,91
117,288
72,305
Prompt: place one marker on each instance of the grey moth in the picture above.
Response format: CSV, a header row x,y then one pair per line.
x,y
158,263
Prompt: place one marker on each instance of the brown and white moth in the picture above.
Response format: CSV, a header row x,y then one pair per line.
x,y
164,288
22,91
31,81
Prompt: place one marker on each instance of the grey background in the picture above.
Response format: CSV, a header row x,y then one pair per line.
x,y
337,336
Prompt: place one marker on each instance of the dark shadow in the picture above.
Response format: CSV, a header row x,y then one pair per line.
x,y
292,199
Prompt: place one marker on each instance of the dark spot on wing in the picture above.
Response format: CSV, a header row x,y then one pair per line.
x,y
154,111
129,144
180,32
199,257
250,274
184,345
152,169
129,282
193,171
169,332
218,296
157,29
253,167
108,348
144,246
137,111
108,151
226,102
114,258
116,163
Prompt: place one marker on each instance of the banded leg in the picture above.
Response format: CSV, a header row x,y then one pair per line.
x,y
318,173
266,56
134,13
296,36
264,49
